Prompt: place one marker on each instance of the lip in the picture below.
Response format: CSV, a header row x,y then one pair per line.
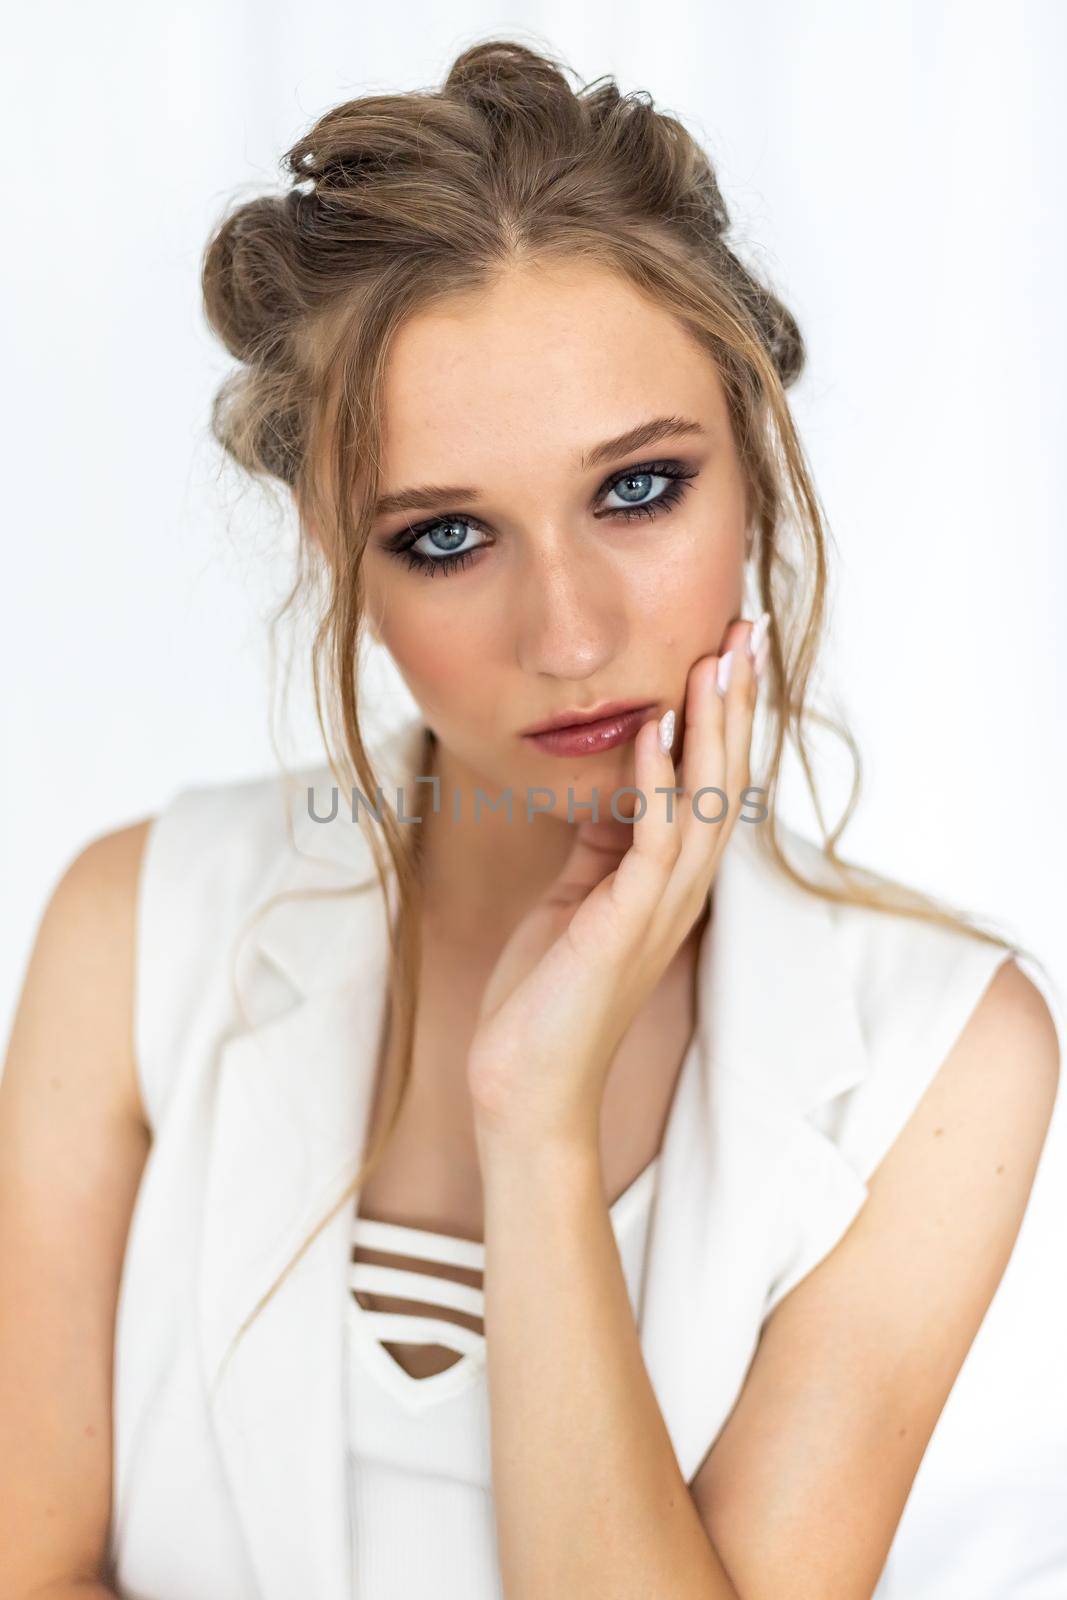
x,y
579,718
592,734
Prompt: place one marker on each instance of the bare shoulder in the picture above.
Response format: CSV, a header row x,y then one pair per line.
x,y
81,968
855,1364
980,1128
1014,1012
997,1087
108,865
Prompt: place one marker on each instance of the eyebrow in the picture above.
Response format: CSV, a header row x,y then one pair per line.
x,y
431,495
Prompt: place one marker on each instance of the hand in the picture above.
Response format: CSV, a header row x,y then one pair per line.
x,y
581,964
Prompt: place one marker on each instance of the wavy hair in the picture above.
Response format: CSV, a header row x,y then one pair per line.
x,y
395,201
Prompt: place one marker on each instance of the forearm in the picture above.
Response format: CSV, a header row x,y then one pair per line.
x,y
589,1497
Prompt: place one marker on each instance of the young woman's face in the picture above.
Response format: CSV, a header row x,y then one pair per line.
x,y
552,570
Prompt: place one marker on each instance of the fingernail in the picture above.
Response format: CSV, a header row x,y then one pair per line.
x,y
666,731
761,657
756,637
726,663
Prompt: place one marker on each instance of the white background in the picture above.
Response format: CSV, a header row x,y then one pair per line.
x,y
895,168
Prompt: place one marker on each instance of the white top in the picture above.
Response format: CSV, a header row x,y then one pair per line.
x,y
258,1017
418,1450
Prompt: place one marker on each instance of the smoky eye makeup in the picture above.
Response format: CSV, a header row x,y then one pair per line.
x,y
634,489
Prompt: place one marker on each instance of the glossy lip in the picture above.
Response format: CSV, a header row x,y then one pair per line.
x,y
581,719
592,737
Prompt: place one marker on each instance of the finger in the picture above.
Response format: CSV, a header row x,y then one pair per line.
x,y
703,763
618,914
645,869
740,701
597,850
722,724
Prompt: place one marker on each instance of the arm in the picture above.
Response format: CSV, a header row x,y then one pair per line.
x,y
855,1365
851,1374
72,1148
589,1497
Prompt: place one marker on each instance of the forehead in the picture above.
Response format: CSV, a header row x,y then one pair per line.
x,y
546,360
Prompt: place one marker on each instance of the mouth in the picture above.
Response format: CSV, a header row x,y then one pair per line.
x,y
576,733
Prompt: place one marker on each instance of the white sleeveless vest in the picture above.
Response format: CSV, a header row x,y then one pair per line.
x,y
818,1030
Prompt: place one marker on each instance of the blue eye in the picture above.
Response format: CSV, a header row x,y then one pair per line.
x,y
634,486
445,534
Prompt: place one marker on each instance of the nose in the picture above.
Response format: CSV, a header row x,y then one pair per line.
x,y
569,614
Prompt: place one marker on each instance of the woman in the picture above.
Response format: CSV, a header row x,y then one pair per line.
x,y
728,1140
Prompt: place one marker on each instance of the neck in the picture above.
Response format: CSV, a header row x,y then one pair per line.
x,y
478,869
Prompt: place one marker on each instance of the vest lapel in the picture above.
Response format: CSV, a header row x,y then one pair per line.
x,y
292,1105
779,1036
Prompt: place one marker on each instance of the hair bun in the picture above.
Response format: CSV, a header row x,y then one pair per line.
x,y
500,62
248,274
520,93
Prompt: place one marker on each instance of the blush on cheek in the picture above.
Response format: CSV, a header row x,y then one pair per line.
x,y
443,669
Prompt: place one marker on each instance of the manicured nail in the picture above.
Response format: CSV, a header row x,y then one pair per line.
x,y
726,663
756,637
666,732
761,657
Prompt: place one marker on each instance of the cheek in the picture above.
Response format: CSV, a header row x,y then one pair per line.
x,y
690,597
438,659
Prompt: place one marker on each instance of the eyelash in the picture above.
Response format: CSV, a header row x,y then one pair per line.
x,y
678,474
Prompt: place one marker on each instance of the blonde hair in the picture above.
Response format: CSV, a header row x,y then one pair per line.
x,y
397,200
